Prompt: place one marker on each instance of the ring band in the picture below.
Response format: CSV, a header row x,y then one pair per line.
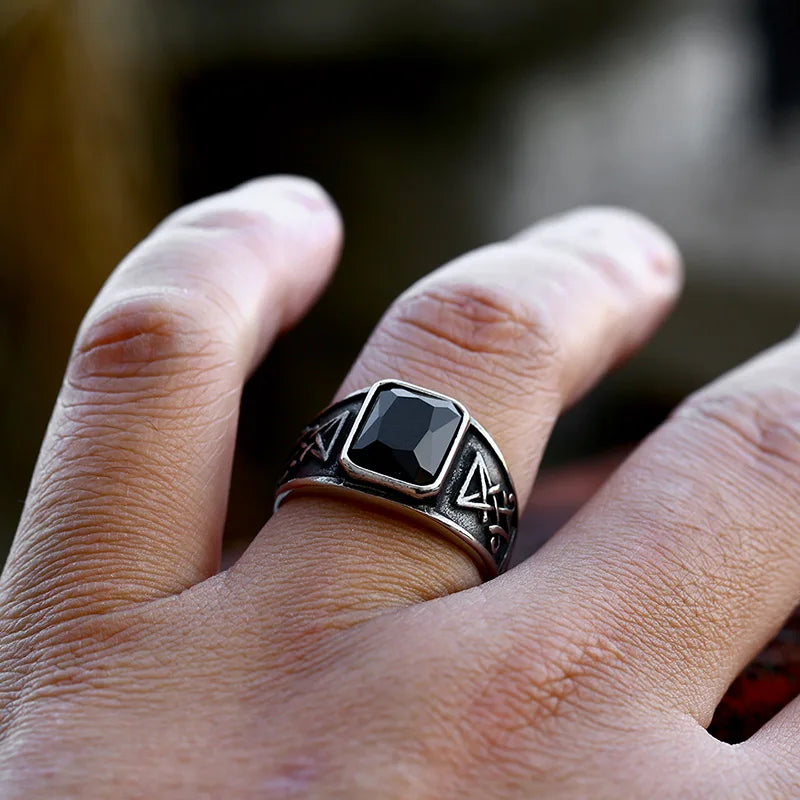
x,y
418,451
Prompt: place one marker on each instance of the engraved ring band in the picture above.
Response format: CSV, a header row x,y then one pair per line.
x,y
417,451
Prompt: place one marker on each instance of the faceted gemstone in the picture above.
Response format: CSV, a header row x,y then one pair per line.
x,y
405,435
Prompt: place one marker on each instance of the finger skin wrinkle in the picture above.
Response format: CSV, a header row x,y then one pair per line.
x,y
84,407
425,363
769,428
140,339
487,339
105,578
525,715
663,617
480,320
537,686
93,542
58,652
78,469
178,373
86,413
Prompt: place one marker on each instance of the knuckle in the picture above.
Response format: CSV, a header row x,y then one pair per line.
x,y
475,325
141,336
541,686
559,667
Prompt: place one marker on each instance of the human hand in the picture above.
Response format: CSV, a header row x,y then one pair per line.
x,y
351,653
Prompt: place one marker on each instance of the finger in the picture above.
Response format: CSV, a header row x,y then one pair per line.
x,y
687,562
128,497
515,331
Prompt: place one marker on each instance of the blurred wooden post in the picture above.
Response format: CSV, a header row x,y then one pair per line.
x,y
75,193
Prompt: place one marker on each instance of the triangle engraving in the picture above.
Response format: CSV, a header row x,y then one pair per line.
x,y
322,439
496,504
477,487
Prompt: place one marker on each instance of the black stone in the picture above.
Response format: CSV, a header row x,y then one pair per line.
x,y
405,435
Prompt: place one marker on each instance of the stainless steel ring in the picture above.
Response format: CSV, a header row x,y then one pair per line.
x,y
419,451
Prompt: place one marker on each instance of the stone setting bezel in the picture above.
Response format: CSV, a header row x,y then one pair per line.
x,y
413,489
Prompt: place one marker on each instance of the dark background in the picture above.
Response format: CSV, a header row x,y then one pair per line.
x,y
437,125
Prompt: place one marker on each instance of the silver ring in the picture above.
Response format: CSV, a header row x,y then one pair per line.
x,y
419,451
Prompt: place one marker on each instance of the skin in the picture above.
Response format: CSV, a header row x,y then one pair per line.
x,y
352,654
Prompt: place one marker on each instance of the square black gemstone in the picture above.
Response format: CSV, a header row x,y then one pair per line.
x,y
405,435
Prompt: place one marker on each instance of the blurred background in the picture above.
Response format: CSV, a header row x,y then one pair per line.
x,y
437,125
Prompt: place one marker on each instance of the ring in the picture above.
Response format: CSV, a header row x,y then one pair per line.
x,y
420,452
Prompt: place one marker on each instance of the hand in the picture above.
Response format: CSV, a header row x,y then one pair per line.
x,y
354,654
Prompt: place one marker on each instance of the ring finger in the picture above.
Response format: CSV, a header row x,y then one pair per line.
x,y
515,331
